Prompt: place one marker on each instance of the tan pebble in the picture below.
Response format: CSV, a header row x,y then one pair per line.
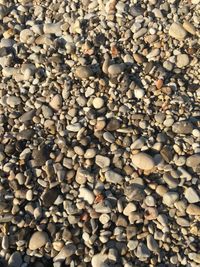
x,y
189,27
143,161
56,102
193,209
161,190
159,84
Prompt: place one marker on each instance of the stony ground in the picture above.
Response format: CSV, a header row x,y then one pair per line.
x,y
100,133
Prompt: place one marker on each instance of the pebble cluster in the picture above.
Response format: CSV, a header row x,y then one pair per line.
x,y
100,133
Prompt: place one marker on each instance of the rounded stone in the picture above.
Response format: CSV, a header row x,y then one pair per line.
x,y
38,240
84,72
177,31
193,161
182,60
143,161
139,93
116,69
56,102
98,102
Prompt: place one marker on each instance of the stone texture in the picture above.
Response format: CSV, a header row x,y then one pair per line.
x,y
143,161
38,240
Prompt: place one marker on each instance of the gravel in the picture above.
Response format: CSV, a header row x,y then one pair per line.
x,y
100,133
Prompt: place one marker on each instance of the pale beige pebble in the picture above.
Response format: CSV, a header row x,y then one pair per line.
x,y
191,195
58,245
38,240
102,161
90,153
177,31
98,102
98,260
182,60
193,209
26,36
189,27
52,28
170,198
143,161
56,102
195,257
86,195
13,101
130,207
193,161
67,251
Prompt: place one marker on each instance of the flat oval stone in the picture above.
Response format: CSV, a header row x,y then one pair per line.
x,y
113,177
177,31
84,72
143,161
38,240
193,209
116,69
182,127
193,161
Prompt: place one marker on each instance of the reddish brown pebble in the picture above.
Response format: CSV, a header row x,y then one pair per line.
x,y
159,83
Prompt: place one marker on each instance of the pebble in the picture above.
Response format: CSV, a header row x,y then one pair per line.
x,y
177,31
139,93
84,72
13,101
98,102
38,240
191,195
102,161
182,60
143,161
113,177
182,127
116,69
193,209
68,250
87,195
170,198
193,161
98,260
152,245
56,102
15,259
189,27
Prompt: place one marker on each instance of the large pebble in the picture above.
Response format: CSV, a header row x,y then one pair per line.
x,y
113,177
116,69
68,250
193,209
84,72
87,195
170,198
38,240
182,127
102,161
98,260
56,102
143,161
52,28
182,60
189,27
13,101
191,195
193,161
98,102
15,259
177,31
